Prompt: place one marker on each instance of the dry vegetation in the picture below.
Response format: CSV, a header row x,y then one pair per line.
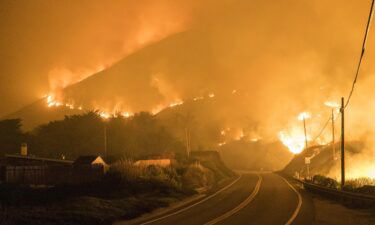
x,y
359,185
125,192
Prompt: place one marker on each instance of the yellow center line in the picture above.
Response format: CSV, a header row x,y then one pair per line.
x,y
240,206
290,221
203,200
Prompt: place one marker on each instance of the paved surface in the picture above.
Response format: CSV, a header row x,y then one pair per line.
x,y
264,198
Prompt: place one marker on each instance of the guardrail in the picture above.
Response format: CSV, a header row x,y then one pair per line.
x,y
348,198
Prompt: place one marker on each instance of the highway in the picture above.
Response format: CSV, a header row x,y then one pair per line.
x,y
252,198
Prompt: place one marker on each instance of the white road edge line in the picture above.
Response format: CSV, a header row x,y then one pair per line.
x,y
240,206
197,203
290,221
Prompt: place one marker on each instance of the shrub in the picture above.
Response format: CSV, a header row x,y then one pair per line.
x,y
325,181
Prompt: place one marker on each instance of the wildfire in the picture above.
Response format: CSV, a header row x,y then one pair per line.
x,y
365,171
127,114
254,139
104,115
295,142
174,104
52,102
222,143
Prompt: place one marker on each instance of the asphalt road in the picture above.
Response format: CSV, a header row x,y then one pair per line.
x,y
263,198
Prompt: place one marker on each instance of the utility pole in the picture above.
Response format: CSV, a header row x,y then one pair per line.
x,y
342,144
105,140
307,160
187,134
333,134
304,128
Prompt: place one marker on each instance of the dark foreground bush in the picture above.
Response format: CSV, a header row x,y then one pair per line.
x,y
325,181
126,191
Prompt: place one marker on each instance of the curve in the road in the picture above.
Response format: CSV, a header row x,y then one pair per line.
x,y
197,203
240,206
290,221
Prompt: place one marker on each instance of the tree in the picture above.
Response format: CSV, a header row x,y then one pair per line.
x,y
11,135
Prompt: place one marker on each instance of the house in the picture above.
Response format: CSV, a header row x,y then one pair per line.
x,y
89,168
89,160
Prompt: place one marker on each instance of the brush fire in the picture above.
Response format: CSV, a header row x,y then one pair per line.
x,y
173,97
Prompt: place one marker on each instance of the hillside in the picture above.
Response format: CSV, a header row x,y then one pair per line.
x,y
247,155
129,84
323,163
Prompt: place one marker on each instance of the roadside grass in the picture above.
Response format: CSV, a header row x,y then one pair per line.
x,y
362,185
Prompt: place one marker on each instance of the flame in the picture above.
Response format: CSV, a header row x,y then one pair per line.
x,y
52,102
222,143
254,139
295,141
365,171
104,115
174,104
211,95
127,114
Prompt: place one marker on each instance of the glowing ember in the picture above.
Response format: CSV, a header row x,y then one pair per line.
x,y
222,143
211,95
104,115
254,139
126,114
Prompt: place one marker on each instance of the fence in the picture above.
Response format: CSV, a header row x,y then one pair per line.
x,y
50,175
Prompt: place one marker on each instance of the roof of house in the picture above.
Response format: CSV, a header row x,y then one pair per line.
x,y
10,159
88,159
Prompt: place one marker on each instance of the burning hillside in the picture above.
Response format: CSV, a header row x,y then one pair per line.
x,y
248,76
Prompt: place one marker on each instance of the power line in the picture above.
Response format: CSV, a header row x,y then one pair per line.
x,y
321,131
362,53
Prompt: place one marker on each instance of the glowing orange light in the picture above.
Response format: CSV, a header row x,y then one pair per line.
x,y
304,115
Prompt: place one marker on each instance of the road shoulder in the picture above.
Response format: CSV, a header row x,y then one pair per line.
x,y
328,212
306,215
180,205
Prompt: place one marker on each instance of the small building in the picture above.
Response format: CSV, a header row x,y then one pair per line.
x,y
89,168
28,160
28,169
155,162
89,160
